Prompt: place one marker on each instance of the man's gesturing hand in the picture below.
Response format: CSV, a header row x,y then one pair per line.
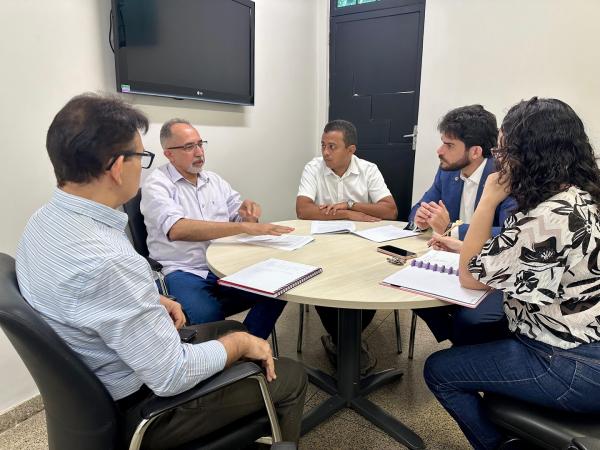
x,y
258,229
437,215
250,211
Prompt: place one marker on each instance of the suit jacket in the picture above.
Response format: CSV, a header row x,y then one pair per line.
x,y
447,186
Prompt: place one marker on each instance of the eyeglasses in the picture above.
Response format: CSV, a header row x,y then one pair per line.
x,y
190,147
146,158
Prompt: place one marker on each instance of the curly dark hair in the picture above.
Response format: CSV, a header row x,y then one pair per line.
x,y
472,125
87,132
543,148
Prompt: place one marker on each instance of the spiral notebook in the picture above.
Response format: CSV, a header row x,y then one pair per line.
x,y
271,277
435,274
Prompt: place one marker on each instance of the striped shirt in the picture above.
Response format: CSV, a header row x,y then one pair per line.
x,y
77,268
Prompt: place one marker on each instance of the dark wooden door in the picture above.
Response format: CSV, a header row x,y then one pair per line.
x,y
375,72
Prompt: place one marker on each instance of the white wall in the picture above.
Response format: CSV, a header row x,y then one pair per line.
x,y
51,51
498,52
483,51
260,149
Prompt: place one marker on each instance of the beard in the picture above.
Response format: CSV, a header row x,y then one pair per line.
x,y
457,165
193,168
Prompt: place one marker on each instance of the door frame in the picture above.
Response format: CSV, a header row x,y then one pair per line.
x,y
381,4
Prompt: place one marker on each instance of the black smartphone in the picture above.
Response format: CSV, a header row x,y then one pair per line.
x,y
187,334
396,251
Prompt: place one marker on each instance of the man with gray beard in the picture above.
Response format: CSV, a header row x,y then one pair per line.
x,y
184,208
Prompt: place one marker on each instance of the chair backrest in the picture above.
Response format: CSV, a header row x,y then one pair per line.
x,y
80,413
137,228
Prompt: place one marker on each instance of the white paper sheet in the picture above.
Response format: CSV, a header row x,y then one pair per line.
x,y
286,242
331,226
386,233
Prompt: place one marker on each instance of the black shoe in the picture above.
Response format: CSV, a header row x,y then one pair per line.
x,y
367,359
330,348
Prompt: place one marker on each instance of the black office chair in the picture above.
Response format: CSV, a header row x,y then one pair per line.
x,y
80,413
139,235
543,427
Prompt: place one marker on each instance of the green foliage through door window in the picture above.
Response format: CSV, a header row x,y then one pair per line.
x,y
342,3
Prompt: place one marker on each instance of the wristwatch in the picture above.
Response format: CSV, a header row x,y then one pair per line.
x,y
350,203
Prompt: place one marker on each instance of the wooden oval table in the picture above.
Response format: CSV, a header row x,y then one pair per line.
x,y
352,272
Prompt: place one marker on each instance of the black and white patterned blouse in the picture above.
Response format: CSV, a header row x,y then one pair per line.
x,y
546,262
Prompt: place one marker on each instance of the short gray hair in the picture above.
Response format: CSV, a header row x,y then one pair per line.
x,y
165,130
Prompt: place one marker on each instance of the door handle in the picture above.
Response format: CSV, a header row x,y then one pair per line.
x,y
413,135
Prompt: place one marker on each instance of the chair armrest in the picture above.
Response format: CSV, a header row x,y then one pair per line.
x,y
585,443
154,264
231,375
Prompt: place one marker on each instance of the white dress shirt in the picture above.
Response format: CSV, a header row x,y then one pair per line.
x,y
77,268
362,182
168,197
469,195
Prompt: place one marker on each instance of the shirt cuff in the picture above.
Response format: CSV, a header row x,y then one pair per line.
x,y
455,233
214,356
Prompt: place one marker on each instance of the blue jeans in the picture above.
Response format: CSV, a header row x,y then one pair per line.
x,y
467,326
517,367
203,300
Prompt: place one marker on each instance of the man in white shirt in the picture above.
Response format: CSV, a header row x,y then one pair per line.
x,y
339,185
468,135
184,208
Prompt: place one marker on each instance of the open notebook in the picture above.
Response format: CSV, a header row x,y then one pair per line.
x,y
271,277
435,274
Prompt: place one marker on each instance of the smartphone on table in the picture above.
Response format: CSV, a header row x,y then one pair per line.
x,y
396,251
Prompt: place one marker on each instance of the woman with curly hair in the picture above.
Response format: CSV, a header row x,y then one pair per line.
x,y
545,261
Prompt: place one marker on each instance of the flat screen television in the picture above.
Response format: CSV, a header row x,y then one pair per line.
x,y
193,49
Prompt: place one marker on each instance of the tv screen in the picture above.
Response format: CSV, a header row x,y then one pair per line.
x,y
195,49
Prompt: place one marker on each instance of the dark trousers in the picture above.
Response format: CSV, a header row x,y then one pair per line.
x,y
204,301
465,326
329,318
211,412
516,367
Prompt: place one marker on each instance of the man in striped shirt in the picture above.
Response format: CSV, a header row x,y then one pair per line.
x,y
76,267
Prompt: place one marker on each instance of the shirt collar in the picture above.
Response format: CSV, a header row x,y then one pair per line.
x,y
352,168
97,211
475,176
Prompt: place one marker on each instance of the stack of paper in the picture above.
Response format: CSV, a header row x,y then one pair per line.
x,y
287,242
331,226
385,233
377,234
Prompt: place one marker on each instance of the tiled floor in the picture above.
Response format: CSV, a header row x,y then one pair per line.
x,y
409,400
